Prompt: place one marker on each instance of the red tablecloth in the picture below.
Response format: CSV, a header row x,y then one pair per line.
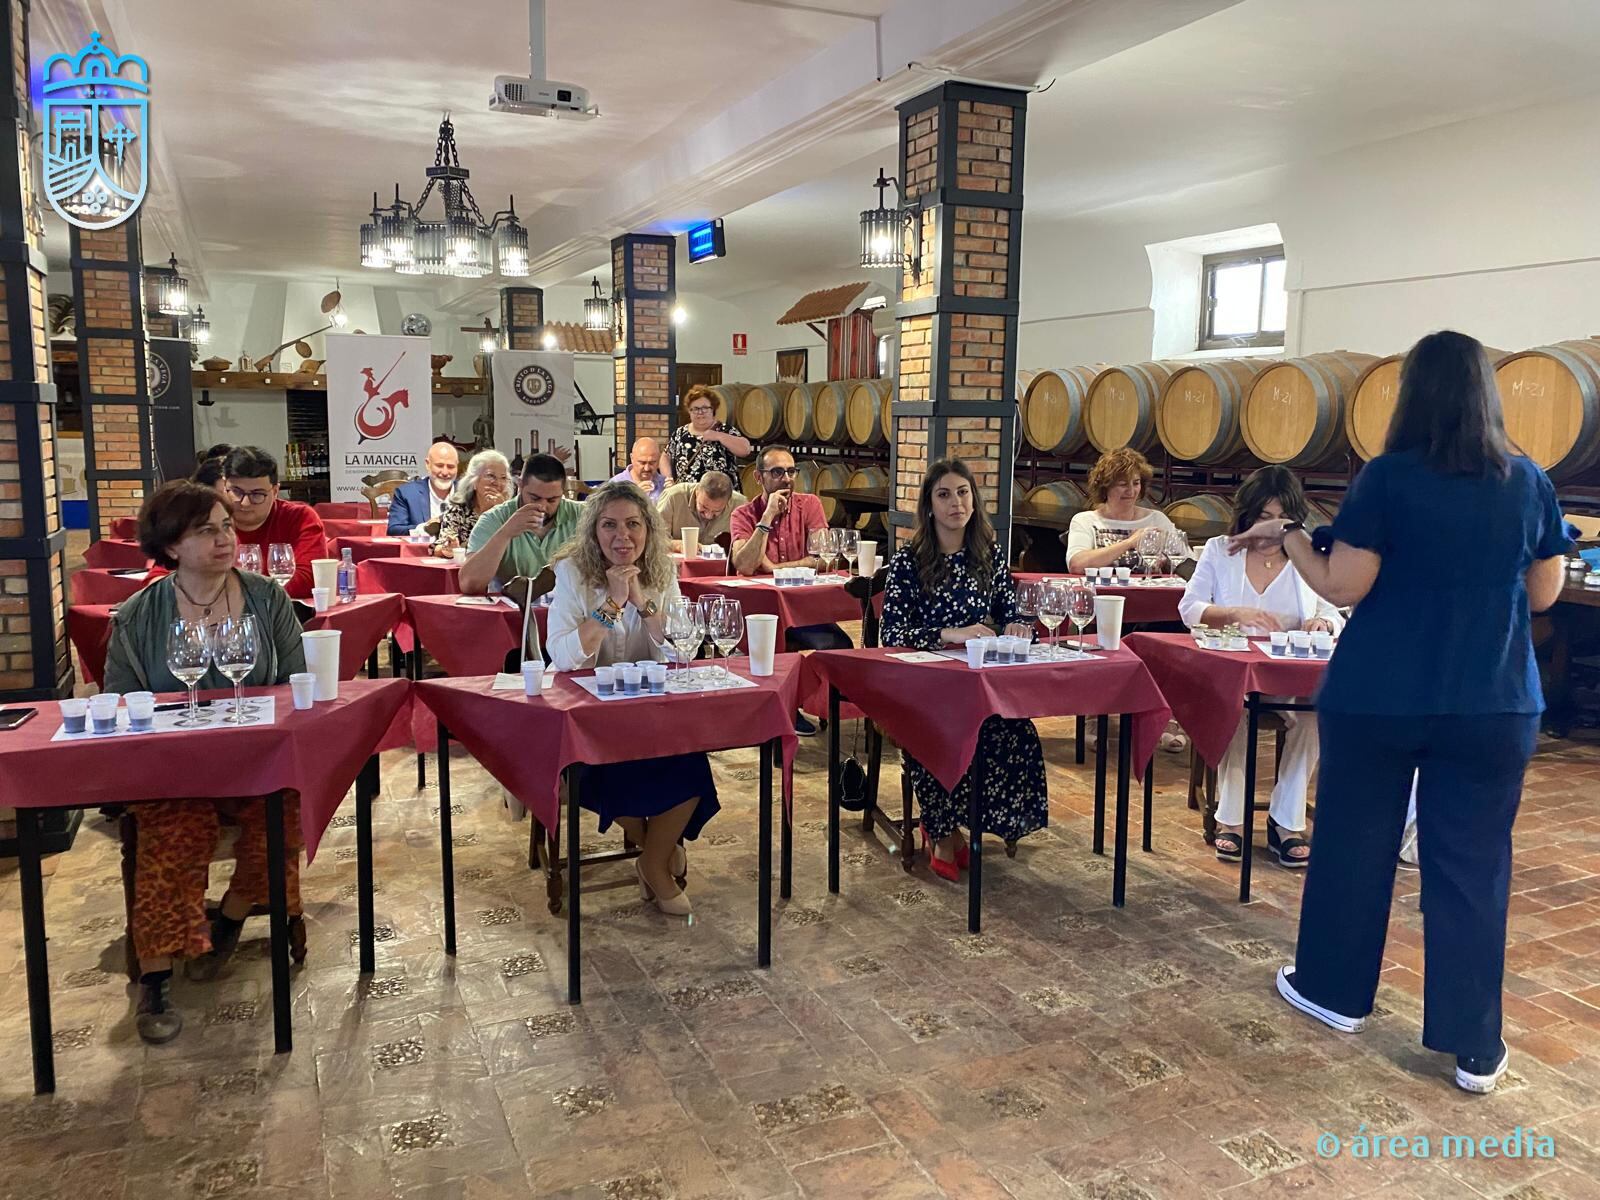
x,y
345,527
1141,604
408,576
1207,688
96,585
934,710
125,527
818,604
317,752
364,548
343,510
469,639
363,624
115,552
700,568
526,743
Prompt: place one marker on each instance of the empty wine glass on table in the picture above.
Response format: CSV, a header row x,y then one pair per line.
x,y
685,631
1052,611
189,658
233,649
727,631
1178,549
1151,543
1080,611
249,559
280,562
849,548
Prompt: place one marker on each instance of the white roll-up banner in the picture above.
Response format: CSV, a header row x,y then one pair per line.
x,y
380,408
534,401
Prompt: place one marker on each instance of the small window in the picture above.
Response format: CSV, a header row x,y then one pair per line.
x,y
1242,301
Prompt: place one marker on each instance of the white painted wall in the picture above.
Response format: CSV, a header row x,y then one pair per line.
x,y
244,419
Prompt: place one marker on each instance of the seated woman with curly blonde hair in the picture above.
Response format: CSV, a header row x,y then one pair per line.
x,y
1107,535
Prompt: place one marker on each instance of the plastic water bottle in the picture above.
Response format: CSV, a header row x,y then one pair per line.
x,y
347,577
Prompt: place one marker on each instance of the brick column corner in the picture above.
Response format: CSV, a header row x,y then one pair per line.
x,y
521,318
644,274
961,149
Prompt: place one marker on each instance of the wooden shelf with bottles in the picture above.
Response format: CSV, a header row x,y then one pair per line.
x,y
255,381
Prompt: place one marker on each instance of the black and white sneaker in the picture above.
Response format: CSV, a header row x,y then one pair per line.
x,y
1479,1075
804,726
1327,1016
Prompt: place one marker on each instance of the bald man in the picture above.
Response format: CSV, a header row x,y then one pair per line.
x,y
644,468
419,501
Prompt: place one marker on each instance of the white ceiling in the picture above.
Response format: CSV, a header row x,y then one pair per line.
x,y
278,121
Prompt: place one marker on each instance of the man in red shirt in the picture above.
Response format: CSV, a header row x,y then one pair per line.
x,y
772,531
250,476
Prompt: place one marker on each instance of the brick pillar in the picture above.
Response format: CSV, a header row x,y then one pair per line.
x,y
961,155
118,438
34,662
645,369
521,318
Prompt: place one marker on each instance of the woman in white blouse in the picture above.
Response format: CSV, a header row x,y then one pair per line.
x,y
614,584
1261,592
1107,535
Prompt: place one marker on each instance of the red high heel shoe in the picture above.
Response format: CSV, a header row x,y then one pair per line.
x,y
941,868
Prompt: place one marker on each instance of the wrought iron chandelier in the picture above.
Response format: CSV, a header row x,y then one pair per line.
x,y
463,244
597,308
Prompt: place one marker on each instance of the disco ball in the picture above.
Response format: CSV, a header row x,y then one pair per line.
x,y
416,325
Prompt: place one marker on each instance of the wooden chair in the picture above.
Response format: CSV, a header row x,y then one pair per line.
x,y
1203,779
382,485
867,590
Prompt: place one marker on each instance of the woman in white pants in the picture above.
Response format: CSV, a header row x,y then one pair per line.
x,y
1262,593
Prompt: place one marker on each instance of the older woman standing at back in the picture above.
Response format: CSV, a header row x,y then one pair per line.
x,y
485,483
1107,535
705,443
614,583
1445,545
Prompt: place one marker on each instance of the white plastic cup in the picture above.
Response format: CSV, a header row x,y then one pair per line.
x,y
866,557
1299,644
458,555
74,714
303,689
691,540
1019,649
103,712
632,676
1322,644
532,676
325,574
605,680
761,635
656,676
1124,576
1108,621
1092,574
321,598
322,660
141,710
975,652
1279,642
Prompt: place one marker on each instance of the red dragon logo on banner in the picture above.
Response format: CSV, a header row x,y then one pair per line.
x,y
376,417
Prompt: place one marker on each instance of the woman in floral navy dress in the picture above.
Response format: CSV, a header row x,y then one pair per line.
x,y
948,584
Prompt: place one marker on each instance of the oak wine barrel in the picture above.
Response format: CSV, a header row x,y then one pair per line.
x,y
1058,496
759,411
1551,399
868,477
750,479
1201,517
798,423
1197,417
1025,376
831,475
866,413
1052,409
828,403
1294,412
1120,407
726,396
1371,404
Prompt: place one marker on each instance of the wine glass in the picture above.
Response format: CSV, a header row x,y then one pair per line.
x,y
1052,611
1028,604
233,649
1151,543
189,658
708,619
849,547
727,631
685,631
1178,549
817,545
249,558
1080,610
280,562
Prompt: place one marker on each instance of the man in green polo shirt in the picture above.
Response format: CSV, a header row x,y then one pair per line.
x,y
521,535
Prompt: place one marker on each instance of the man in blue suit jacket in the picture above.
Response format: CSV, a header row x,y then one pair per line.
x,y
419,501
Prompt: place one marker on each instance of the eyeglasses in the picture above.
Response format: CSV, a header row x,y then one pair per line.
x,y
783,472
700,410
255,497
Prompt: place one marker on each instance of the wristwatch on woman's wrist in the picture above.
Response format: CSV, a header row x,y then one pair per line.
x,y
649,610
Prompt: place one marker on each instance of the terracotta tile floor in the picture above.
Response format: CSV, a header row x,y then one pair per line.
x,y
1071,1051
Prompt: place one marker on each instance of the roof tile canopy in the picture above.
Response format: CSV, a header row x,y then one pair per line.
x,y
575,339
828,303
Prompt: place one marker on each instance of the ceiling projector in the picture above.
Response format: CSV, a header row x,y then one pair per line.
x,y
541,98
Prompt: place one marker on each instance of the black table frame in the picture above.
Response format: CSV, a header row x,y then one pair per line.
x,y
36,953
1119,860
1254,706
771,751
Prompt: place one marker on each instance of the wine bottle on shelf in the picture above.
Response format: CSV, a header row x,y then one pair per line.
x,y
516,462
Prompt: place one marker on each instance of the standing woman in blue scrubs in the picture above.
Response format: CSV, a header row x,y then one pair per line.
x,y
1444,545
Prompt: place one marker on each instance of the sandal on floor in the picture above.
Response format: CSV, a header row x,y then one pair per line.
x,y
1229,846
1283,847
1174,743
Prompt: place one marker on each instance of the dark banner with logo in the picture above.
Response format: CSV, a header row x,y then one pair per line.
x,y
172,407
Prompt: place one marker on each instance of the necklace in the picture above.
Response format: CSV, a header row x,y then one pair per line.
x,y
205,608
